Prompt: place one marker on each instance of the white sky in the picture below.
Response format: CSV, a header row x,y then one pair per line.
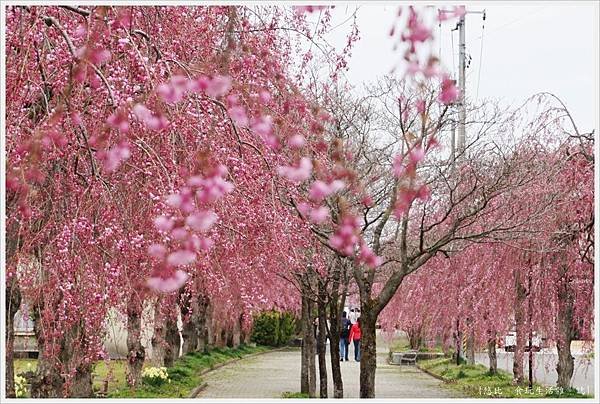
x,y
528,47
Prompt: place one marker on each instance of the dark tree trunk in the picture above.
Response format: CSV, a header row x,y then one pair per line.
x,y
229,336
237,331
306,335
136,354
491,346
521,336
470,343
172,342
336,306
13,302
368,351
311,345
415,337
189,313
208,326
322,341
564,322
81,385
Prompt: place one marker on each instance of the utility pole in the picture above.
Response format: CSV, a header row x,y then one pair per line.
x,y
462,83
462,109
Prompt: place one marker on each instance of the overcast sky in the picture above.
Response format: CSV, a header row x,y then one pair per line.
x,y
527,48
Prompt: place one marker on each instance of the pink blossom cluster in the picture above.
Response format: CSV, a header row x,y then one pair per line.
x,y
297,174
367,256
178,86
346,236
187,228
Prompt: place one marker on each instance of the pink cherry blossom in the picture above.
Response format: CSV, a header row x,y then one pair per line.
x,y
163,223
181,258
416,155
217,86
460,11
319,215
296,141
118,120
320,190
201,221
398,166
168,284
157,251
297,174
238,115
449,92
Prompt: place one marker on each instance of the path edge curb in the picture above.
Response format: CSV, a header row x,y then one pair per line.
x,y
197,390
445,380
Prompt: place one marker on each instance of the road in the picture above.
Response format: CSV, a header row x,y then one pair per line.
x,y
544,368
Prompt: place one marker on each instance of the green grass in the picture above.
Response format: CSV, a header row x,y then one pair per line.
x,y
476,381
113,370
184,373
289,394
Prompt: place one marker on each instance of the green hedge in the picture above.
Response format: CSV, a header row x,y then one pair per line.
x,y
273,328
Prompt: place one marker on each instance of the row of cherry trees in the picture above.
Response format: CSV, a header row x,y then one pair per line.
x,y
143,145
537,280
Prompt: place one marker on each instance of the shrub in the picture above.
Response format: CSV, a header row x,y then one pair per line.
x,y
287,327
272,328
155,376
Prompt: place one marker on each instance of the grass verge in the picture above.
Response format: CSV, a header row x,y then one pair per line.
x,y
476,381
184,375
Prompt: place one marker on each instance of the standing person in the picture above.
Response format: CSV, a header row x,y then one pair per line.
x,y
355,337
344,335
352,316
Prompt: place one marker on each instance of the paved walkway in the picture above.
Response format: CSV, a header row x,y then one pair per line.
x,y
268,375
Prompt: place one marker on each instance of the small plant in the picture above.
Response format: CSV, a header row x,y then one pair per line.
x,y
20,386
155,376
461,374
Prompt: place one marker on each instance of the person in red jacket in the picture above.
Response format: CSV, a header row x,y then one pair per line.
x,y
355,337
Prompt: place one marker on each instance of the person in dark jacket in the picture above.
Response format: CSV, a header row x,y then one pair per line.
x,y
355,337
344,334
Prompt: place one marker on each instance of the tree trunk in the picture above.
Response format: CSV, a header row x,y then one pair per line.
x,y
172,342
564,323
415,337
312,352
135,350
322,341
492,355
158,337
81,385
520,329
368,349
229,336
306,332
336,306
47,382
190,330
13,302
470,344
237,331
